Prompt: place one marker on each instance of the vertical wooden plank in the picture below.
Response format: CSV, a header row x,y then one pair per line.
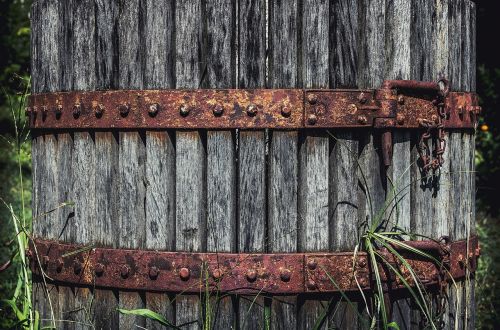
x,y
252,151
158,20
283,151
190,180
131,153
313,223
106,44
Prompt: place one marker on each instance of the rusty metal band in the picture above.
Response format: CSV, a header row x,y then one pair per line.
x,y
291,273
398,104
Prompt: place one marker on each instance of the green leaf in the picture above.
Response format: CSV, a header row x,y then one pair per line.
x,y
148,314
393,325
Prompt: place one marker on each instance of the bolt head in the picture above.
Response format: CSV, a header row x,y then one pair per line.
x,y
312,98
312,264
400,119
217,274
99,110
77,110
362,120
77,266
312,119
59,265
184,110
58,111
401,99
27,111
153,109
154,272
124,109
99,269
362,263
286,111
362,98
124,271
184,273
44,111
45,261
252,110
218,110
29,254
251,275
285,274
363,282
311,285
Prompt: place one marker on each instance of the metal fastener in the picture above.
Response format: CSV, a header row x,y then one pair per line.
x,y
124,109
124,271
154,272
218,110
362,98
77,266
184,273
99,269
153,109
400,118
362,263
401,99
59,265
460,259
311,285
58,111
252,110
45,261
362,120
352,108
285,274
312,98
312,264
184,110
363,282
217,274
44,111
99,110
27,111
286,111
312,119
251,275
77,110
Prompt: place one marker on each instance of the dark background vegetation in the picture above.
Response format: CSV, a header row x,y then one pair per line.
x,y
14,66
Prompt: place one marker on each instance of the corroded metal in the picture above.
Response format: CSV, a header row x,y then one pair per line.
x,y
291,273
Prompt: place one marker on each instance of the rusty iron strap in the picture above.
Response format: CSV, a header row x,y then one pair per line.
x,y
290,273
398,104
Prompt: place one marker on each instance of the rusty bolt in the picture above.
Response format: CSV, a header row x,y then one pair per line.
x,y
312,98
352,108
45,261
77,266
401,99
154,272
99,269
285,274
363,282
99,110
184,110
29,254
251,275
311,285
77,110
461,261
312,119
44,111
34,110
153,109
58,111
124,271
217,274
362,120
184,273
286,111
362,263
252,110
478,251
218,110
124,109
27,111
59,265
362,98
400,118
312,264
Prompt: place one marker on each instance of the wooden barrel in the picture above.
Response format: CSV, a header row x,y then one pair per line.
x,y
244,190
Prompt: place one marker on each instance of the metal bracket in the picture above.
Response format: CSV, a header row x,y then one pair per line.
x,y
290,273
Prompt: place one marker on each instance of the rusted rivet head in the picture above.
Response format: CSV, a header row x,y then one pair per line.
x,y
400,118
460,110
362,263
217,274
362,120
77,110
401,99
99,110
123,109
77,266
286,111
312,98
154,272
27,111
478,251
184,273
461,260
312,119
153,109
363,282
29,254
285,274
312,264
311,285
362,98
251,275
44,111
99,269
218,110
45,261
58,111
184,110
124,271
352,108
59,265
252,110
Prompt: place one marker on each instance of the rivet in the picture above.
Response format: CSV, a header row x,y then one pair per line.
x,y
59,265
218,110
184,273
312,98
251,275
362,120
45,261
352,108
401,99
77,266
285,274
311,285
29,254
252,110
312,119
99,269
217,274
362,263
312,264
362,98
153,109
34,110
27,111
124,271
99,110
58,111
77,109
286,111
478,251
400,118
154,272
363,282
124,109
44,111
460,259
